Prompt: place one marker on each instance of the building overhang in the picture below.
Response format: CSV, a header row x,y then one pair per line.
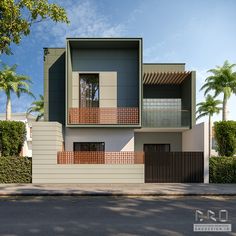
x,y
157,78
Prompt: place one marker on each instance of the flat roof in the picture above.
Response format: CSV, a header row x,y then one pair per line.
x,y
104,42
106,38
164,63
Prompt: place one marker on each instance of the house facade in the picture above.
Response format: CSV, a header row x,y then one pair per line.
x,y
106,110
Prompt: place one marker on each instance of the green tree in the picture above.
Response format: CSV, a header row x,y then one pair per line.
x,y
225,134
222,81
37,107
10,83
17,17
208,108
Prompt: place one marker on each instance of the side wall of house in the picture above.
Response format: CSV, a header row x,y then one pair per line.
x,y
54,84
48,140
196,140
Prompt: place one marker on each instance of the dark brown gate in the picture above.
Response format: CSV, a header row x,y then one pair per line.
x,y
174,167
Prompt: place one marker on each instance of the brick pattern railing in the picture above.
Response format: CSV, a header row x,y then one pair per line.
x,y
104,115
99,157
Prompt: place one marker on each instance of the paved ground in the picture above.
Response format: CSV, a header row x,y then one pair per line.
x,y
81,215
117,189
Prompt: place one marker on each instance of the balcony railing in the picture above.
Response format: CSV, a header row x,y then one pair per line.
x,y
99,157
165,118
104,115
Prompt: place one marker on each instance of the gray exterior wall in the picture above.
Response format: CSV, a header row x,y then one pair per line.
x,y
123,61
163,67
172,138
54,84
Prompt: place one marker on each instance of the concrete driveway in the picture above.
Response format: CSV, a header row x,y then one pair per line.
x,y
103,215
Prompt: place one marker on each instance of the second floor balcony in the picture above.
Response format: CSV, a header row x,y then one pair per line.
x,y
165,113
104,115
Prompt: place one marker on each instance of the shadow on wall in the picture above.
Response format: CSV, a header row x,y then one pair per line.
x,y
57,90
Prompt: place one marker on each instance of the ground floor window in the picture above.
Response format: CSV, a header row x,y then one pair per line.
x,y
156,147
89,146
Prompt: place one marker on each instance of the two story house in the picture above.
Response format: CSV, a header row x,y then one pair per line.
x,y
110,118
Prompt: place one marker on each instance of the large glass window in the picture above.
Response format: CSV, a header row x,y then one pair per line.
x,y
89,90
162,112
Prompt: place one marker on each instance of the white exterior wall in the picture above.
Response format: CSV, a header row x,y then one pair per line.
x,y
47,141
116,139
196,140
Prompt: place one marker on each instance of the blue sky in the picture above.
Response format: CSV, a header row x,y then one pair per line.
x,y
200,33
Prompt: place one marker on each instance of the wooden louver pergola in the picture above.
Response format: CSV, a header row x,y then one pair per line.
x,y
155,78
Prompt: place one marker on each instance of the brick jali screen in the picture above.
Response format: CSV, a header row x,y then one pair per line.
x,y
83,157
104,115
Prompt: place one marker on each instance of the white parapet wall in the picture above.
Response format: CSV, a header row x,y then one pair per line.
x,y
48,140
196,140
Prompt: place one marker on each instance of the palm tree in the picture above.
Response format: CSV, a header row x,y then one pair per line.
x,y
37,107
222,80
10,83
209,108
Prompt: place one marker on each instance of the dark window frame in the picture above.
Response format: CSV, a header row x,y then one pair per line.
x,y
88,74
157,144
102,146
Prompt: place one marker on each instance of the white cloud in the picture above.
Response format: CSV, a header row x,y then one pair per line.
x,y
85,21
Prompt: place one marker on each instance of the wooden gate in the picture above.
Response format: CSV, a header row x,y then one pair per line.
x,y
174,167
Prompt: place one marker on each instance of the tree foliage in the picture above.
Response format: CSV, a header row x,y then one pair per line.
x,y
15,170
17,17
222,170
225,134
12,137
222,81
37,107
209,107
10,82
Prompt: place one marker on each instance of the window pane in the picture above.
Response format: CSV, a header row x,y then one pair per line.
x,y
89,146
156,147
89,90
